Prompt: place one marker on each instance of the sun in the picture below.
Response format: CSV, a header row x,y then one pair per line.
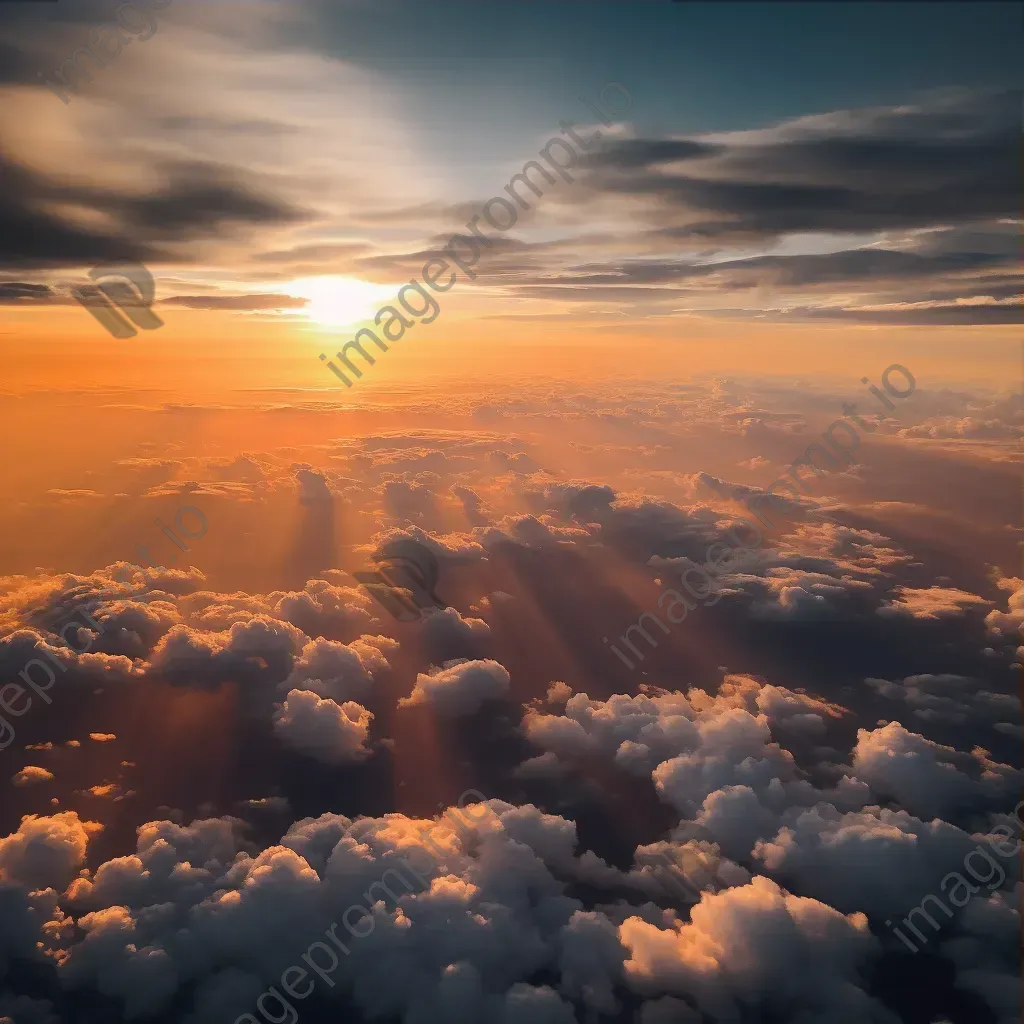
x,y
336,301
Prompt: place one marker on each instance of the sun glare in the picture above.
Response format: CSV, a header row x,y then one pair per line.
x,y
340,301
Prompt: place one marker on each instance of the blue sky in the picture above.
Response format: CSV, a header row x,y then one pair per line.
x,y
510,71
696,66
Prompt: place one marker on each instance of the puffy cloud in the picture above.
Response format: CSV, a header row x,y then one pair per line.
x,y
25,1010
736,816
30,775
411,503
530,1004
133,627
959,700
528,531
314,839
114,957
453,547
23,920
321,608
447,627
543,766
559,693
931,603
876,860
784,592
856,550
185,654
961,427
322,729
156,583
757,946
818,570
472,505
460,688
46,851
986,954
109,790
313,486
466,905
156,874
735,748
1010,623
472,910
662,725
340,671
736,819
259,648
559,735
88,668
674,871
693,744
926,777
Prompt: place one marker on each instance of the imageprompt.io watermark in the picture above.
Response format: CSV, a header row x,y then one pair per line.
x,y
439,262
404,582
105,44
122,299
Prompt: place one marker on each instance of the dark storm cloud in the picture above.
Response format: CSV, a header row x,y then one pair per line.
x,y
570,292
944,279
1002,236
237,302
199,199
15,65
851,265
953,315
254,127
627,154
32,235
855,171
935,183
195,200
18,293
999,287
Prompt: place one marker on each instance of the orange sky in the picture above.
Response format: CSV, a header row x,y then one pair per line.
x,y
203,353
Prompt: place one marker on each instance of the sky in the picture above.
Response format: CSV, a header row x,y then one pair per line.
x,y
848,169
512,514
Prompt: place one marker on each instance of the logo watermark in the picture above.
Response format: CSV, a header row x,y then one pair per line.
x,y
404,583
106,43
121,301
